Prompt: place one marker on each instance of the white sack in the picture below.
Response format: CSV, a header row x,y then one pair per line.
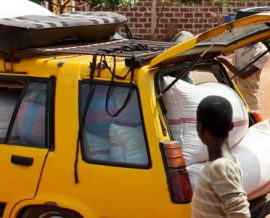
x,y
128,144
17,8
182,101
7,105
252,154
240,114
98,147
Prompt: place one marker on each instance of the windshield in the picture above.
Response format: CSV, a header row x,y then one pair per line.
x,y
232,35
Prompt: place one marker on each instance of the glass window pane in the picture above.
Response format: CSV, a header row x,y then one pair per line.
x,y
29,125
235,34
201,76
109,138
9,95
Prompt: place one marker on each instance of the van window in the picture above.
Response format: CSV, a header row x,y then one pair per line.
x,y
201,76
110,138
23,113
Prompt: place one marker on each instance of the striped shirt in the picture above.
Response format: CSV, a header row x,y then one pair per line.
x,y
249,86
219,192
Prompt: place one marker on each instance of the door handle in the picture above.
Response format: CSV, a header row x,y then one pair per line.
x,y
21,160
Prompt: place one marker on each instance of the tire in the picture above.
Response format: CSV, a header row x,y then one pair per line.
x,y
49,212
265,210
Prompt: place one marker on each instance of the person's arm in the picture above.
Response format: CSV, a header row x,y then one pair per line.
x,y
227,184
244,74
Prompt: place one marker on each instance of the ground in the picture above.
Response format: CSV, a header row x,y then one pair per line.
x,y
265,91
265,95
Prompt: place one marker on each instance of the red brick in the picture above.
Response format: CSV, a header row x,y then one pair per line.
x,y
164,20
147,37
188,15
142,9
147,25
133,19
129,14
168,14
179,26
178,14
251,4
147,4
214,9
139,14
203,20
199,14
184,9
188,26
183,20
174,9
197,26
143,20
204,9
147,14
207,26
193,20
173,20
142,31
163,10
138,25
133,9
240,4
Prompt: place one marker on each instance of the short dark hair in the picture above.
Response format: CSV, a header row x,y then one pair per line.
x,y
214,113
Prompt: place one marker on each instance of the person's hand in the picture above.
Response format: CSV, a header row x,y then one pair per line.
x,y
221,59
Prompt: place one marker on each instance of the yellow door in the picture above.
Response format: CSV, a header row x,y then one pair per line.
x,y
24,136
119,177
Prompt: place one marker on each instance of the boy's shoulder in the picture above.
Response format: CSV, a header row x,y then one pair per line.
x,y
225,166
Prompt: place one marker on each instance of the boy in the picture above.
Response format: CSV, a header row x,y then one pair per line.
x,y
219,191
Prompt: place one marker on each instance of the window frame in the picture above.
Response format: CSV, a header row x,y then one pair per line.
x,y
49,110
82,143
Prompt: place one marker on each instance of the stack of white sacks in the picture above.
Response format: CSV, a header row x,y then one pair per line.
x,y
250,146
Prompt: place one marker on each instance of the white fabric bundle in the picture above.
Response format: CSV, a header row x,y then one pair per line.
x,y
252,154
240,114
128,144
98,147
182,101
7,105
130,115
23,8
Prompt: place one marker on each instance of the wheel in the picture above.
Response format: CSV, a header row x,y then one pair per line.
x,y
49,212
265,210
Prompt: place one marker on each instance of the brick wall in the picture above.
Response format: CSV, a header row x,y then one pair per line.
x,y
175,17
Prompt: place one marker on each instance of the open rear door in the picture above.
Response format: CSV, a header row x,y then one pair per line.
x,y
221,40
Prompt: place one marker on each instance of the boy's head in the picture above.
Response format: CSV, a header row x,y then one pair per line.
x,y
214,113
